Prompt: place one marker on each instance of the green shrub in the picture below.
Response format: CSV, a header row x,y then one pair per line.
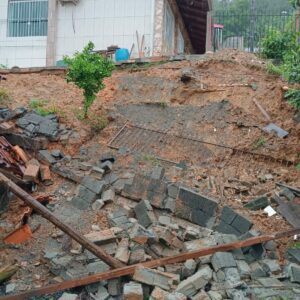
x,y
87,70
293,97
276,44
291,65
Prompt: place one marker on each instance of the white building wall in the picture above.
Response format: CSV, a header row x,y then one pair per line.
x,y
20,51
106,23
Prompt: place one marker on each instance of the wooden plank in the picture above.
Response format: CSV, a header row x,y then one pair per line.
x,y
129,270
43,211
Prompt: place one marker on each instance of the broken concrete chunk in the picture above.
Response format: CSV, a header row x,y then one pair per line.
x,y
244,268
269,282
123,252
221,260
85,166
108,196
139,234
167,237
257,271
115,287
193,284
97,267
45,174
133,291
119,218
46,157
67,296
101,237
137,255
31,172
144,213
214,295
84,198
232,278
188,268
271,266
101,294
160,294
107,166
258,203
94,185
173,190
170,204
97,172
98,204
293,254
164,280
70,174
158,173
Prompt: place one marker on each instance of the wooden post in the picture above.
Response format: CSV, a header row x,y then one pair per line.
x,y
129,270
43,211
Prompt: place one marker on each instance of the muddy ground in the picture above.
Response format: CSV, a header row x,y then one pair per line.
x,y
155,96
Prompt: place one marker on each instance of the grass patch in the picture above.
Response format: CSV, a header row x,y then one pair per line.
x,y
5,97
259,143
41,106
97,122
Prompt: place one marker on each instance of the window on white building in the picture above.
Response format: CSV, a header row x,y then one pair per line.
x,y
27,18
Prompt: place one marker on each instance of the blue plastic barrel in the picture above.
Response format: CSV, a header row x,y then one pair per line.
x,y
122,54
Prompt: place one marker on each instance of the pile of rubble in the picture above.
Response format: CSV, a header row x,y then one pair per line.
x,y
151,218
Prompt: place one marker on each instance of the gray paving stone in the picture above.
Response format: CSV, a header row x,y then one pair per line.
x,y
244,268
257,271
173,190
189,268
97,267
222,260
271,265
84,198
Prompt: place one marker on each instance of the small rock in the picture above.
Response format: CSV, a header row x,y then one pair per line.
x,y
106,166
188,268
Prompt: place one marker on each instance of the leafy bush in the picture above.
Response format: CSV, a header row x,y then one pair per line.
x,y
87,70
293,96
291,65
276,44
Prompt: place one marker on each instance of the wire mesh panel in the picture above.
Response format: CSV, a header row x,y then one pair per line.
x,y
246,30
27,18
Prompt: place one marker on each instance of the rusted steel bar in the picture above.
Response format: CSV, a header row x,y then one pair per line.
x,y
43,211
129,270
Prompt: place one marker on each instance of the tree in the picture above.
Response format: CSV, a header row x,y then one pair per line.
x,y
87,69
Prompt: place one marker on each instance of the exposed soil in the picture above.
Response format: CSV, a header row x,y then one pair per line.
x,y
156,97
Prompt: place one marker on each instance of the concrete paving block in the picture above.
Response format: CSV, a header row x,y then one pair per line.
x,y
101,237
295,273
170,204
166,281
269,282
232,278
292,254
241,224
133,291
84,198
222,260
46,157
228,215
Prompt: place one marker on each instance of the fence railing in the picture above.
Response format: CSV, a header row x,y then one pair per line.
x,y
245,31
